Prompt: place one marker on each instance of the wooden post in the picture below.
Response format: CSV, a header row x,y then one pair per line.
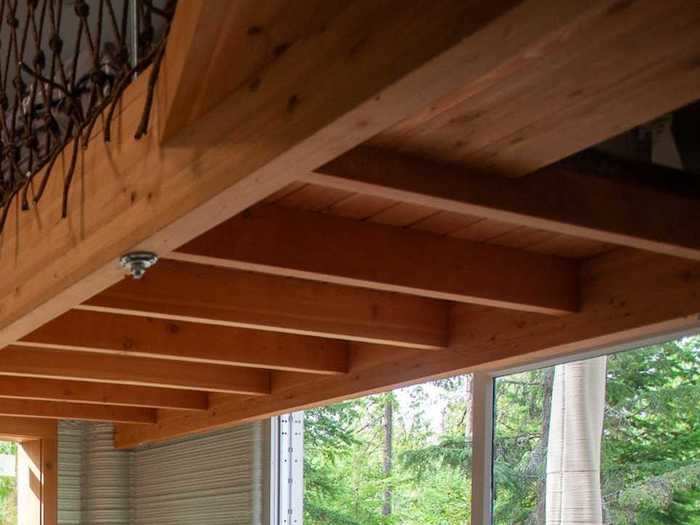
x,y
37,468
482,445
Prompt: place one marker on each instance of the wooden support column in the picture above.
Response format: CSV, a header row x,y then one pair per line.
x,y
37,469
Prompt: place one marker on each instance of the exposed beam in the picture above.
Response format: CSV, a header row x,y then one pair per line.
x,y
83,366
269,119
100,393
54,410
589,196
623,64
627,297
207,294
130,335
309,245
196,33
20,429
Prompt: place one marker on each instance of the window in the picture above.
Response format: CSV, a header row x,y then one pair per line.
x,y
402,457
610,439
8,483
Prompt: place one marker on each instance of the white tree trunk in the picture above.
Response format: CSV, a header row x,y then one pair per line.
x,y
573,452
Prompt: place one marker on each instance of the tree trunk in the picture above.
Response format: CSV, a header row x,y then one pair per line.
x,y
573,451
468,400
388,451
540,455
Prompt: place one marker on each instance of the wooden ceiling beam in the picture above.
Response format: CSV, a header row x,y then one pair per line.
x,y
83,366
307,245
128,335
208,294
101,393
79,411
589,196
268,118
627,297
25,429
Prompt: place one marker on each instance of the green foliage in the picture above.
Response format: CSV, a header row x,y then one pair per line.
x,y
651,442
344,476
8,489
650,460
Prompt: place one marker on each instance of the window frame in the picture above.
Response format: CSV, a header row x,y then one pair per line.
x,y
37,454
285,452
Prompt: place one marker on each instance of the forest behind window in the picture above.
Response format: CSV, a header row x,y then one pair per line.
x,y
404,457
8,483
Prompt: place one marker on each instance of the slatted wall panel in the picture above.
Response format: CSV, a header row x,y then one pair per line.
x,y
70,438
215,479
105,478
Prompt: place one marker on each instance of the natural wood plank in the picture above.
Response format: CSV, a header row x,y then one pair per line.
x,y
83,366
307,245
271,119
627,297
101,393
194,292
195,34
54,410
129,335
445,223
49,478
314,198
21,428
589,196
360,207
621,64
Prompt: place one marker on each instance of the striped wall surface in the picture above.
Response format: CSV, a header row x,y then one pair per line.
x,y
215,479
70,443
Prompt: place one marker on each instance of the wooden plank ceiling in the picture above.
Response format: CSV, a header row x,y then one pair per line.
x,y
334,221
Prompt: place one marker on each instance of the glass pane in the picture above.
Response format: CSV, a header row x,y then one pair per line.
x,y
397,458
8,483
615,440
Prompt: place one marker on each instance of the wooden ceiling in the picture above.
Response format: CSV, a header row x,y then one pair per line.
x,y
322,233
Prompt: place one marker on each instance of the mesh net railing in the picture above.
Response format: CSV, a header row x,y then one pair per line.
x,y
65,64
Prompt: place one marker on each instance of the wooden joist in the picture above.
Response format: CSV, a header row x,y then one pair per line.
x,y
590,196
626,297
83,366
54,410
308,245
100,393
269,120
256,115
24,428
208,294
131,335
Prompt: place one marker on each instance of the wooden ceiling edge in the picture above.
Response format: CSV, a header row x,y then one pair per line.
x,y
41,389
76,411
66,261
133,371
20,428
557,198
628,296
313,246
264,302
171,340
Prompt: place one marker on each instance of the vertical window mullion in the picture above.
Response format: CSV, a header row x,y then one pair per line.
x,y
482,448
287,470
